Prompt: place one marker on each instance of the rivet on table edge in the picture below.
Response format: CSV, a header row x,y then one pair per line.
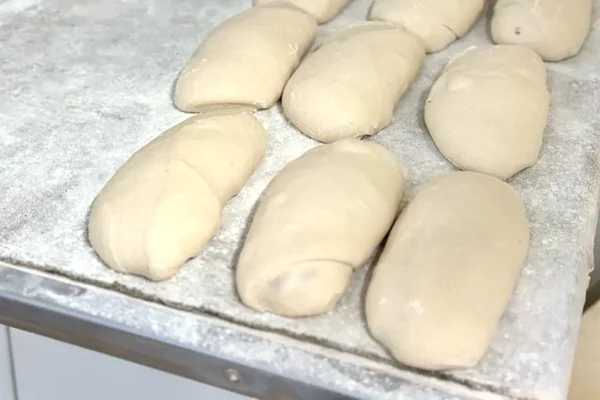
x,y
232,375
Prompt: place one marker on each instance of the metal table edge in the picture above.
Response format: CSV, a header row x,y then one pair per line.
x,y
39,316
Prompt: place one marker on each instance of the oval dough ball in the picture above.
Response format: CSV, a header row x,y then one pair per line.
x,y
488,110
438,23
322,10
319,219
164,204
350,85
448,271
246,60
555,29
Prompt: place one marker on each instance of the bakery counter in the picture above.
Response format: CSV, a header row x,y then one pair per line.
x,y
86,84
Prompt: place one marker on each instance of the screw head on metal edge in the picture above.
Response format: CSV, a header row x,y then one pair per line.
x,y
232,375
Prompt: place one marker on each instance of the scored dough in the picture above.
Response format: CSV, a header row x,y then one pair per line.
x,y
438,23
322,10
350,85
164,204
488,110
555,29
319,219
246,60
447,271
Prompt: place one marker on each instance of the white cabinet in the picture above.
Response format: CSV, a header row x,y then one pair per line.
x,y
46,369
6,384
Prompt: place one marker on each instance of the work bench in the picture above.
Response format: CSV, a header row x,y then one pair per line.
x,y
84,84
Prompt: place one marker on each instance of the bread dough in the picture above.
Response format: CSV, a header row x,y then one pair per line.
x,y
323,10
438,23
164,204
246,60
350,85
488,110
447,271
555,29
319,219
585,384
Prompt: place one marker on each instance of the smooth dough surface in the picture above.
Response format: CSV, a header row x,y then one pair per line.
x,y
247,60
350,85
488,110
585,384
555,29
438,23
323,10
319,219
164,204
448,271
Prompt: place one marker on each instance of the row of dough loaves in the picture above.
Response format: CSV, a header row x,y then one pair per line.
x,y
555,29
347,87
325,214
447,270
363,69
486,113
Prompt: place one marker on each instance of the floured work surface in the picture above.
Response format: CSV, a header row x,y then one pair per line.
x,y
85,84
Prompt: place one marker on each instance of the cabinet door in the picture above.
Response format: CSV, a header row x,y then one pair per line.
x,y
46,369
6,389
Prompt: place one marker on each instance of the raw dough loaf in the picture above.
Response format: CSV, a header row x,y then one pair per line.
x,y
447,271
164,204
319,219
438,23
488,110
555,29
350,85
246,60
322,10
585,384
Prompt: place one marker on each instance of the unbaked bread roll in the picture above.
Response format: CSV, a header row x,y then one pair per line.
x,y
555,29
438,23
488,110
448,271
246,60
350,85
319,219
322,10
585,384
164,204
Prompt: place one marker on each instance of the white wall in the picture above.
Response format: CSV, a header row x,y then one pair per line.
x,y
46,369
6,389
